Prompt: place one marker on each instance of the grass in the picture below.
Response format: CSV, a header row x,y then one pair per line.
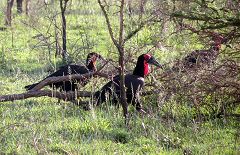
x,y
45,126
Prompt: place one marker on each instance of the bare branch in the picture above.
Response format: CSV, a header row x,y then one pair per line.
x,y
218,22
108,23
121,26
66,96
51,80
214,35
134,32
64,27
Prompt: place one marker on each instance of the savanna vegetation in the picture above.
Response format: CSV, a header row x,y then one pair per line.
x,y
191,103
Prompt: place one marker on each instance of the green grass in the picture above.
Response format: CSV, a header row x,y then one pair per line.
x,y
45,126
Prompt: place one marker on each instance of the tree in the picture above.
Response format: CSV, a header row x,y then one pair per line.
x,y
120,47
208,80
8,20
27,7
19,6
121,39
64,27
209,14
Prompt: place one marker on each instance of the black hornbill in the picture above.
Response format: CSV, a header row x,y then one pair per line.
x,y
72,69
204,56
133,83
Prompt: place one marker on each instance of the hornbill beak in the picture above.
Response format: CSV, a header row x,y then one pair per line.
x,y
101,58
153,61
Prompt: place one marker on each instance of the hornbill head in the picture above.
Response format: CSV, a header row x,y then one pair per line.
x,y
142,67
218,40
92,59
151,60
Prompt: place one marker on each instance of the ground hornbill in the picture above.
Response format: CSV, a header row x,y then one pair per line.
x,y
72,69
133,84
204,56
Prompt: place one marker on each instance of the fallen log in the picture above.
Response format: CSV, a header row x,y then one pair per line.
x,y
66,96
51,80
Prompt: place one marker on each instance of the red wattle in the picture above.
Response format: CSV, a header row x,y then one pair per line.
x,y
217,46
146,68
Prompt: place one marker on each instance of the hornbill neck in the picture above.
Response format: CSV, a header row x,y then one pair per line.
x,y
216,47
91,61
218,41
91,67
141,68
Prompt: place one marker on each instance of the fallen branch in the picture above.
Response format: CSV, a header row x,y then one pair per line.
x,y
66,96
56,79
51,80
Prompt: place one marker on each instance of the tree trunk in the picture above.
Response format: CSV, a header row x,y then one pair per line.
x,y
123,97
142,9
19,6
64,33
142,4
27,7
121,51
130,9
56,36
120,47
66,96
8,20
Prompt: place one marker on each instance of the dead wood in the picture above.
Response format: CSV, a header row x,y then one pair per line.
x,y
66,96
51,80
